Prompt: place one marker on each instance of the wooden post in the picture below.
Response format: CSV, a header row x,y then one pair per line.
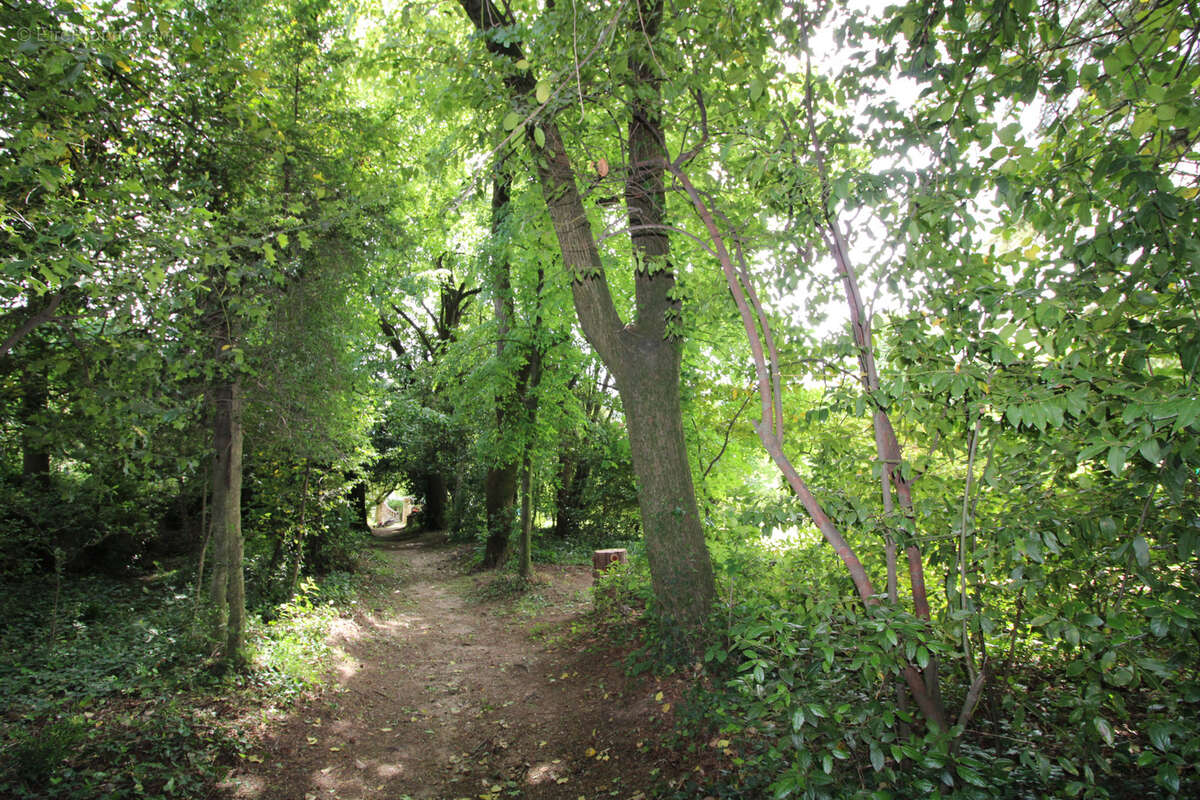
x,y
603,559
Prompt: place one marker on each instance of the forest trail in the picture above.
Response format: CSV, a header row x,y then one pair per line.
x,y
448,687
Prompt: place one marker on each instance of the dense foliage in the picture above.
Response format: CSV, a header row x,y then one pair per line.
x,y
892,314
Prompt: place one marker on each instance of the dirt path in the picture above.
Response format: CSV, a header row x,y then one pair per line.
x,y
445,694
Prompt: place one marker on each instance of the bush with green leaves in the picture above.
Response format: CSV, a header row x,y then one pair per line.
x,y
798,698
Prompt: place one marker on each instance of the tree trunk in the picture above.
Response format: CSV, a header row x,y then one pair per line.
x,y
434,512
35,455
643,359
680,569
500,485
358,506
298,538
227,587
500,505
526,567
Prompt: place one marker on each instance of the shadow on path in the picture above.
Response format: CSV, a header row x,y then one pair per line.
x,y
448,687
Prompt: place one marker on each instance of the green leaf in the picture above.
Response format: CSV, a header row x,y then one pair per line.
x,y
876,757
1121,676
1104,729
542,91
1141,551
1116,459
971,776
511,120
1160,736
539,136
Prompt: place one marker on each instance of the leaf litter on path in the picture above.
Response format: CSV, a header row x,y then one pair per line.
x,y
443,691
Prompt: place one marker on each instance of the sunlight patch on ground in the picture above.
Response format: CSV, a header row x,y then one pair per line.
x,y
346,666
345,630
544,772
247,787
402,622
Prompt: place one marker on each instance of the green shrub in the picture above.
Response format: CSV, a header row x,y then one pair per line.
x,y
797,696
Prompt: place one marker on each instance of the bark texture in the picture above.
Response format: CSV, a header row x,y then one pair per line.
x,y
500,483
227,587
643,357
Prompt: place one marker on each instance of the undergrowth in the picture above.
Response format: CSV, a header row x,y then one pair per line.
x,y
110,692
794,696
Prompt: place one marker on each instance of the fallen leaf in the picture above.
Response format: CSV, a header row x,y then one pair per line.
x,y
658,697
312,740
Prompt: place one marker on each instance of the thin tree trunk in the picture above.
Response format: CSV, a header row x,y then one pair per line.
x,y
526,568
42,315
206,534
770,429
887,444
298,539
500,483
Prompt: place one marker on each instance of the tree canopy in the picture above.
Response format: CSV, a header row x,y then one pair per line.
x,y
872,332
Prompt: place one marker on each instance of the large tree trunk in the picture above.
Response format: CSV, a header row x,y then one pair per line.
x,y
500,506
642,357
227,587
680,570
